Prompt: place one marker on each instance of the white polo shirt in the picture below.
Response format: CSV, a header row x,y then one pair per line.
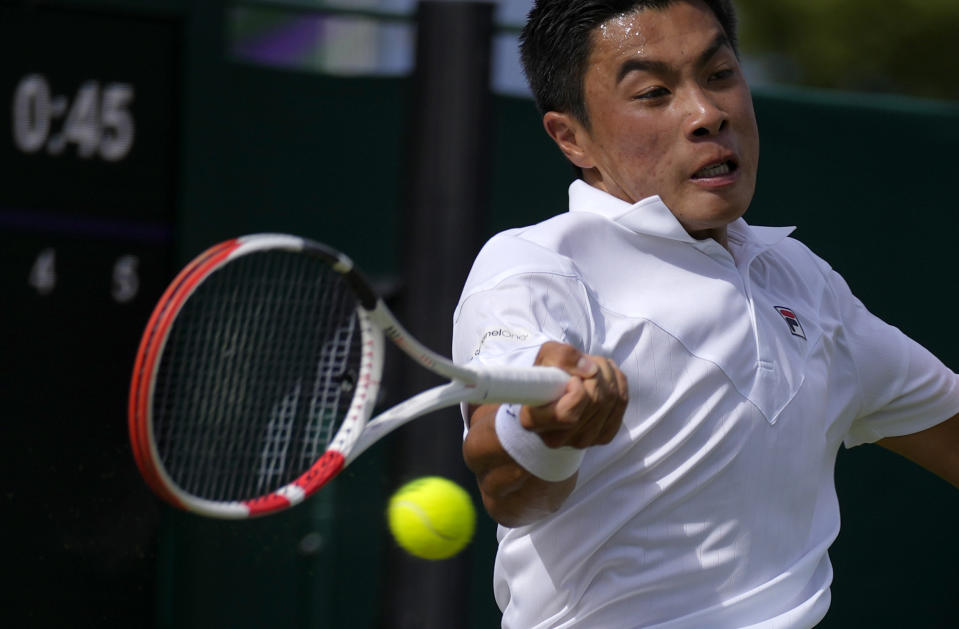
x,y
715,504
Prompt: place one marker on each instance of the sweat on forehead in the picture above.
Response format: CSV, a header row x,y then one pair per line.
x,y
622,27
555,44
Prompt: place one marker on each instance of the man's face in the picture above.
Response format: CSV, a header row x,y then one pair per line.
x,y
670,114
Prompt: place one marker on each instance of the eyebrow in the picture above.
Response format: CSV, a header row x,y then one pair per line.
x,y
655,66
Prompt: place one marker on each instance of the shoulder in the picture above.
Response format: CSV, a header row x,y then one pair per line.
x,y
523,290
546,248
814,270
801,255
814,284
794,262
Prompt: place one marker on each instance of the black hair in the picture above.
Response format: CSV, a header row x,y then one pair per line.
x,y
556,43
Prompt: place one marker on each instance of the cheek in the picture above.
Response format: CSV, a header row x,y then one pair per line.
x,y
647,166
662,173
648,154
748,131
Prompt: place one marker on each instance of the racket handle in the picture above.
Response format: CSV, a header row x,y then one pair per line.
x,y
518,385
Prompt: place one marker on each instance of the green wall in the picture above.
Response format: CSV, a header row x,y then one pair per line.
x,y
869,183
867,180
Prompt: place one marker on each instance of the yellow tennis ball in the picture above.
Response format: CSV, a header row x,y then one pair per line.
x,y
431,517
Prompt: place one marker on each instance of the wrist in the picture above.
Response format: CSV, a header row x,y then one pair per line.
x,y
529,451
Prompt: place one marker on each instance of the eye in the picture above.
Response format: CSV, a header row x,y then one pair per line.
x,y
652,94
722,75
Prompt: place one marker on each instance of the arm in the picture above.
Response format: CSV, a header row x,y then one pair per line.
x,y
588,414
936,449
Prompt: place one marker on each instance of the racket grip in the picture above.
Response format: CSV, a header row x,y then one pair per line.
x,y
519,385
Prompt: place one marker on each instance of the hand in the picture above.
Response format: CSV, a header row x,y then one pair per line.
x,y
590,411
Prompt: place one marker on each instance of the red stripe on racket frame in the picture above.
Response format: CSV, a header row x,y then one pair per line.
x,y
156,331
320,473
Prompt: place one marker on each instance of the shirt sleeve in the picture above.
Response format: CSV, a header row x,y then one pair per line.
x,y
904,388
517,297
506,324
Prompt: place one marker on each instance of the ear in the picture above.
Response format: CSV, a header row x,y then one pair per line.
x,y
570,136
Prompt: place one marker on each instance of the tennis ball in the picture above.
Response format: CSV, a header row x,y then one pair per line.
x,y
431,517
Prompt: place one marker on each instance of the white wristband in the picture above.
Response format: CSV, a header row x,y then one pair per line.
x,y
527,449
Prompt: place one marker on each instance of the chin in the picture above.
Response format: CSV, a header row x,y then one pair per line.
x,y
714,215
724,210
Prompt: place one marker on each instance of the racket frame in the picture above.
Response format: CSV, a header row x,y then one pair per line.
x,y
529,385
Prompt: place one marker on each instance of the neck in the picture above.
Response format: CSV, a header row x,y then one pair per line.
x,y
719,234
593,178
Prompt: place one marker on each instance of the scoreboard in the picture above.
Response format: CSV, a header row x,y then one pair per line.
x,y
89,163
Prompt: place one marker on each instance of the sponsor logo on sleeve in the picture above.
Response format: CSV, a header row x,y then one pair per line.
x,y
500,334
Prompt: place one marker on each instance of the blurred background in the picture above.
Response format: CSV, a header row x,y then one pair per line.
x,y
139,132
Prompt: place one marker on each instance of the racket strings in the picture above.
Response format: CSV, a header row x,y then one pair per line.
x,y
256,375
334,383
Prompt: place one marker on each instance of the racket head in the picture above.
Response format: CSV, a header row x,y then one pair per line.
x,y
256,373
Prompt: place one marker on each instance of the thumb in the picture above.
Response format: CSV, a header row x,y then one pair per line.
x,y
567,358
586,367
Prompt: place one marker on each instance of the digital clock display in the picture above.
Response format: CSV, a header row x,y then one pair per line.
x,y
98,120
88,143
89,106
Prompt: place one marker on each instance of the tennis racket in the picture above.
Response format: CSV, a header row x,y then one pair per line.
x,y
258,373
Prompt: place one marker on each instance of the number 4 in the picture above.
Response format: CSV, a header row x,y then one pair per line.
x,y
43,273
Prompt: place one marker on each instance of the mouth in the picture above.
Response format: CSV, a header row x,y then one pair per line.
x,y
716,169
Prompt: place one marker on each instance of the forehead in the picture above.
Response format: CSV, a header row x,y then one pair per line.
x,y
672,31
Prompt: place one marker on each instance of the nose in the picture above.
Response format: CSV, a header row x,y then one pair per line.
x,y
705,118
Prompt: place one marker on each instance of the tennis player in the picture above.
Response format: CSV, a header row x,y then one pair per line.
x,y
685,479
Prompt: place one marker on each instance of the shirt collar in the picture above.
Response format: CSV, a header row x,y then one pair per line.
x,y
651,217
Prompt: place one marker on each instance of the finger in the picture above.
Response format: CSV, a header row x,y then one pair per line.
x,y
568,417
602,417
602,388
615,420
578,417
612,424
566,357
587,419
591,409
558,425
561,414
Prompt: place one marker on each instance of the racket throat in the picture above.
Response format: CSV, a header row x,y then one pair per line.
x,y
421,404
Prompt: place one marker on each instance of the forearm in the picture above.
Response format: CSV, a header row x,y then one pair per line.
x,y
545,439
936,449
512,496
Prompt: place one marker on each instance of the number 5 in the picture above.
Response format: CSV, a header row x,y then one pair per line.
x,y
117,122
126,281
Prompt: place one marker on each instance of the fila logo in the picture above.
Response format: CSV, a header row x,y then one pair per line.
x,y
792,321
